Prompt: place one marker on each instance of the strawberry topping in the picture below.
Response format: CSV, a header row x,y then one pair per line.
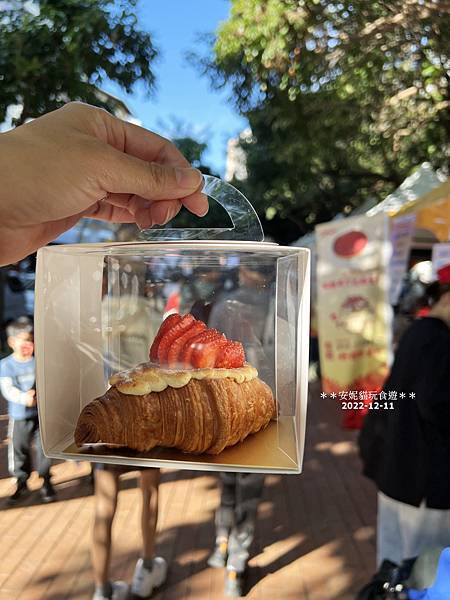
x,y
231,356
173,356
206,350
165,326
174,333
185,355
187,342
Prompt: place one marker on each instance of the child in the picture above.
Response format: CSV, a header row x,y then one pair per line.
x,y
17,385
151,571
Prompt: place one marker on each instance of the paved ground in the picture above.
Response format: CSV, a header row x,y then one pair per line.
x,y
315,538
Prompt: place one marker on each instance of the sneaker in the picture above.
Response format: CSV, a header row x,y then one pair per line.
x,y
47,492
146,580
218,558
233,584
20,494
119,592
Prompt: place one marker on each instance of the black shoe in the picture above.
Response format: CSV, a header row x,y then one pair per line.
x,y
234,587
387,582
218,558
20,494
47,492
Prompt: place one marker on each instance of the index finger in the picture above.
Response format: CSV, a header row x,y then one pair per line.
x,y
142,143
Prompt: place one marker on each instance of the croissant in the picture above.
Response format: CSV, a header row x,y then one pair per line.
x,y
203,416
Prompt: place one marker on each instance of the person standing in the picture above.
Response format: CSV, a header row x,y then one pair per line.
x,y
235,522
406,451
151,570
18,387
246,313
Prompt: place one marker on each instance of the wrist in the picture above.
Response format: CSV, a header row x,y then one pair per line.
x,y
11,164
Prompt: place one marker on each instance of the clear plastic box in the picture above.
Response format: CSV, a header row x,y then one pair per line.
x,y
99,306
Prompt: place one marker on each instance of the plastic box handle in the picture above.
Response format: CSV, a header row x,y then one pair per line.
x,y
246,223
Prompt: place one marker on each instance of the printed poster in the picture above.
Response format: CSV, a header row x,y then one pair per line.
x,y
440,257
402,232
354,314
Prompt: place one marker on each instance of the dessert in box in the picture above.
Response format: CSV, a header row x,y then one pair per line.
x,y
201,398
183,353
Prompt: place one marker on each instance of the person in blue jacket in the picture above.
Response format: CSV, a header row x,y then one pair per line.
x,y
18,387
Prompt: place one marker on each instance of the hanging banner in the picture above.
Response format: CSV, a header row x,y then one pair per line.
x,y
440,257
354,314
401,234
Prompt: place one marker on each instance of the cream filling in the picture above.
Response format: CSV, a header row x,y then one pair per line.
x,y
146,378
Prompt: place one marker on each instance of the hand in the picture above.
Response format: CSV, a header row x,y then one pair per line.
x,y
31,398
440,590
81,161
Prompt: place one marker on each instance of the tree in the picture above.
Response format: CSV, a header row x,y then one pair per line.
x,y
192,150
60,50
344,98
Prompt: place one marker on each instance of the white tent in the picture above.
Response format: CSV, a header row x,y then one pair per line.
x,y
419,183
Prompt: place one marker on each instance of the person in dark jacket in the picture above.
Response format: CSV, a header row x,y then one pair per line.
x,y
406,451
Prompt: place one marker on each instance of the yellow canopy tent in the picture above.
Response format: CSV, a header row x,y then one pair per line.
x,y
432,211
428,197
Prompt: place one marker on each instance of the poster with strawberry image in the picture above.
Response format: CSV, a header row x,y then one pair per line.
x,y
354,314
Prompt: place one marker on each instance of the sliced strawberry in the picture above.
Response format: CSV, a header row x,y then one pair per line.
x,y
185,354
206,351
171,335
173,356
194,344
165,326
231,356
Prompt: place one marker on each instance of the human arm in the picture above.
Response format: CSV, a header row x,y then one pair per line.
x,y
11,393
81,161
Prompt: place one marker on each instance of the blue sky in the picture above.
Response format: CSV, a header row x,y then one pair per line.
x,y
182,93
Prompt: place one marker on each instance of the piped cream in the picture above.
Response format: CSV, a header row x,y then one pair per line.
x,y
146,377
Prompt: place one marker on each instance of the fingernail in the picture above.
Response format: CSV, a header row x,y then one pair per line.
x,y
161,219
205,211
173,213
166,217
188,178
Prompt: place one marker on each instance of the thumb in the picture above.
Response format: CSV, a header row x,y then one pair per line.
x,y
126,174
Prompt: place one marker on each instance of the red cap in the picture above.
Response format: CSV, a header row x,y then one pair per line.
x,y
444,274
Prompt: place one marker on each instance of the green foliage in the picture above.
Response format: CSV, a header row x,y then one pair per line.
x,y
191,149
67,50
344,99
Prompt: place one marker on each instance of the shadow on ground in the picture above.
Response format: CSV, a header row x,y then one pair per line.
x,y
315,532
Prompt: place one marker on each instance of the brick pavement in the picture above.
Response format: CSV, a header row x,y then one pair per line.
x,y
315,537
